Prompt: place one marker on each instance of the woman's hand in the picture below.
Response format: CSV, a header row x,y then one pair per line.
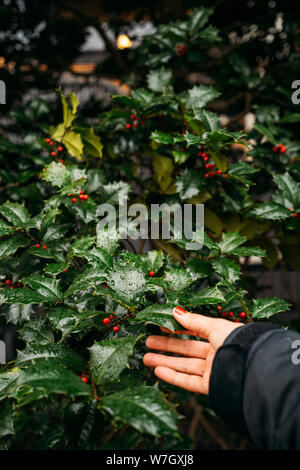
x,y
192,371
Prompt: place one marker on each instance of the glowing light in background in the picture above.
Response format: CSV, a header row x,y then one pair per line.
x,y
123,42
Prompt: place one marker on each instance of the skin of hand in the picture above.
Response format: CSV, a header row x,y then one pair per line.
x,y
192,370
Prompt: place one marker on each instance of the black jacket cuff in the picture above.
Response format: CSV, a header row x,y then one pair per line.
x,y
228,373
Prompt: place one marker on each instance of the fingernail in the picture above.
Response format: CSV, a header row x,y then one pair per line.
x,y
179,310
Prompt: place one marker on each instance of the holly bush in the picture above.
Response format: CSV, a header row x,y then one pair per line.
x,y
83,300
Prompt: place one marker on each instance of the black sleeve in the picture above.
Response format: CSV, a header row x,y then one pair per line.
x,y
255,384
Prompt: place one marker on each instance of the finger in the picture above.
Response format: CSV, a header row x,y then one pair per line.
x,y
193,383
185,347
202,325
181,364
179,332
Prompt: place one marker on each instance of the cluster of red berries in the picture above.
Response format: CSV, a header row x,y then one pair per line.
x,y
209,166
13,286
280,148
106,321
51,143
136,120
180,50
81,197
38,245
242,315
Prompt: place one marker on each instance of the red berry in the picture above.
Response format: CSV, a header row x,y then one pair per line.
x,y
151,273
81,197
274,149
47,140
128,126
181,149
106,321
219,307
81,192
224,314
7,282
143,123
12,287
204,154
51,143
84,379
112,317
212,166
236,320
295,215
85,197
132,116
135,124
207,165
45,247
206,159
243,315
282,149
60,148
116,329
231,314
200,154
37,245
19,284
219,172
206,175
213,173
74,199
53,154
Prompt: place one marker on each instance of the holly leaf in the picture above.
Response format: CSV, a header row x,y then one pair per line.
x,y
289,188
159,79
108,358
58,351
162,138
178,279
210,295
230,241
16,214
198,96
90,277
267,307
144,408
69,320
48,377
227,269
57,174
5,229
189,184
248,251
37,331
48,288
10,245
127,284
210,120
7,382
271,211
160,315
